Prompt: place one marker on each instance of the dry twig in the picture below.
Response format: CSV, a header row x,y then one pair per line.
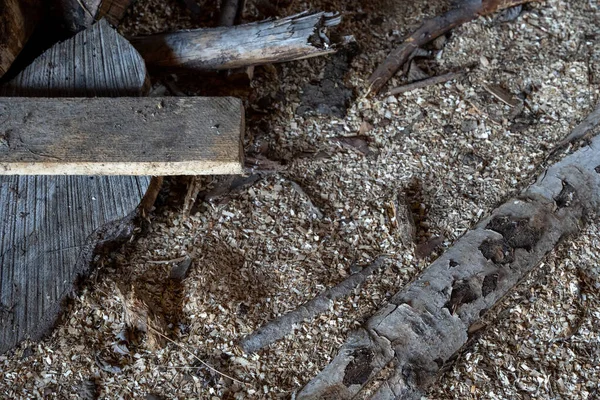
x,y
434,80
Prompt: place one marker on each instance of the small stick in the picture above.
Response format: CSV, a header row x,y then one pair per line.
x,y
182,347
282,326
434,80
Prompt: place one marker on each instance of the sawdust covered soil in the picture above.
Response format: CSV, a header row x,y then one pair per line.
x,y
454,150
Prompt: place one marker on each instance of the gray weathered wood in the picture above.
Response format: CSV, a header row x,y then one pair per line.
x,y
428,321
292,38
51,225
121,136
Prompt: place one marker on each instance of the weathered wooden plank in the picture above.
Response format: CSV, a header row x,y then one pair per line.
x,y
51,225
121,136
292,38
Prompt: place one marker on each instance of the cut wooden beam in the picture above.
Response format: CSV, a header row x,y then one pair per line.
x,y
427,323
292,38
53,225
121,136
18,19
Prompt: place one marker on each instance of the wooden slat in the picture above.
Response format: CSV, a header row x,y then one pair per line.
x,y
121,136
51,225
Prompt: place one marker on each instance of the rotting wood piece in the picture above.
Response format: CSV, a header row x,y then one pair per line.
x,y
432,28
292,38
121,136
18,19
428,321
53,225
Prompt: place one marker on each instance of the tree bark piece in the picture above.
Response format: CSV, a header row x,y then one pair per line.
x,y
53,225
427,322
121,136
467,11
286,324
292,38
18,19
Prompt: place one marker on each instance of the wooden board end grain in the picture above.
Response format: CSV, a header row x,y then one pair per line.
x,y
121,136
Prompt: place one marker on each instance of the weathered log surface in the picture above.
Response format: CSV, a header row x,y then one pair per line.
x,y
427,322
292,38
51,225
121,136
17,22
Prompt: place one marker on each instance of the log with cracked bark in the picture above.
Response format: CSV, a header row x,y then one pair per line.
x,y
466,11
428,322
292,38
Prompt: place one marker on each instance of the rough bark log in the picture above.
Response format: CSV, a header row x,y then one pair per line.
x,y
467,11
52,225
18,19
428,321
292,38
284,325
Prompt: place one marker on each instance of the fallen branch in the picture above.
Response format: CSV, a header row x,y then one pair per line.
x,y
428,322
434,80
431,29
284,325
296,37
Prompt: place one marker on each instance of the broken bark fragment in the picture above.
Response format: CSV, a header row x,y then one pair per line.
x,y
430,320
292,38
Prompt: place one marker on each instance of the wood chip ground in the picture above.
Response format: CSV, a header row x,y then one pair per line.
x,y
454,149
